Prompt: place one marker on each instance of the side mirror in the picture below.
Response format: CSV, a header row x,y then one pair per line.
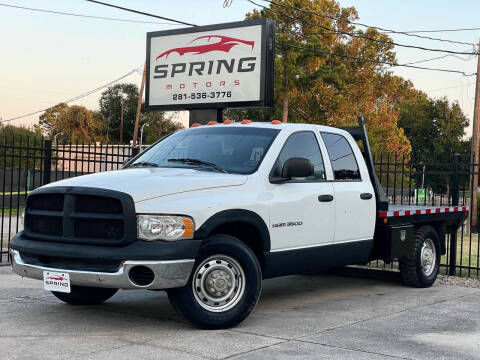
x,y
294,168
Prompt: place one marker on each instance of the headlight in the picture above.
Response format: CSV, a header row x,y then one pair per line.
x,y
164,227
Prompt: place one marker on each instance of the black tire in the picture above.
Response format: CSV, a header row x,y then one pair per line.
x,y
411,268
85,295
187,300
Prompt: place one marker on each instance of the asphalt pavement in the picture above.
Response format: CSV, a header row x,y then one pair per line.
x,y
298,317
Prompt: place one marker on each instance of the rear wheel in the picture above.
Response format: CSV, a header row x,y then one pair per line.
x,y
224,286
85,295
420,268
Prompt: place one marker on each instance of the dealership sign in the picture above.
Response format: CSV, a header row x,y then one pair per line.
x,y
214,66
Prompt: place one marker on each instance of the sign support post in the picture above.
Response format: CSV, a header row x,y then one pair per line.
x,y
220,116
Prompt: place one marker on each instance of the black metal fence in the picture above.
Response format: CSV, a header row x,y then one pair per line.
x,y
27,164
411,181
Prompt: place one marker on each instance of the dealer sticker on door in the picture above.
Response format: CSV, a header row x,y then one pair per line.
x,y
56,281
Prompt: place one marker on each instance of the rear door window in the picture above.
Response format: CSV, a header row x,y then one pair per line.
x,y
343,160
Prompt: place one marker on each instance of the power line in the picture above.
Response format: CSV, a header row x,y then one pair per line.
x,y
373,60
426,60
368,26
452,87
78,97
84,16
141,12
359,35
437,58
439,30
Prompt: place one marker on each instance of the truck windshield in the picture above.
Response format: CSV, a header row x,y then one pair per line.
x,y
222,149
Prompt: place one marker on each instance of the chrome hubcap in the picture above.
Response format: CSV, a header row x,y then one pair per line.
x,y
218,283
428,257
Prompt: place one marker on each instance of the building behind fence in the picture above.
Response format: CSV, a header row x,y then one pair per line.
x,y
28,165
86,159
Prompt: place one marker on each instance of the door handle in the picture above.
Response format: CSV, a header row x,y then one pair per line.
x,y
366,196
325,198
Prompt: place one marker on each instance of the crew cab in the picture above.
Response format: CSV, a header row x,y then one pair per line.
x,y
207,212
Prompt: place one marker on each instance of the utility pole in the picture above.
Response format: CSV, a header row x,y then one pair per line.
x,y
475,147
139,106
122,101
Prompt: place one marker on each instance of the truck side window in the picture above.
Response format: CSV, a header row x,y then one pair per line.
x,y
343,160
301,144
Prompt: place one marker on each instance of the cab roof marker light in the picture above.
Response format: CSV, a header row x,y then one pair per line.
x,y
212,123
246,121
276,122
196,124
228,121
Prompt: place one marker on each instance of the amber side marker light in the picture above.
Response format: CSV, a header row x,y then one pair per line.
x,y
196,124
228,121
246,121
276,122
188,232
212,122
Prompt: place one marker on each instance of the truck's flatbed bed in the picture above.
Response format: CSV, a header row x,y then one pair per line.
x,y
408,210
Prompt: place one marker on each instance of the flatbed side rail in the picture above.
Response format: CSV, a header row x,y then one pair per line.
x,y
422,210
359,133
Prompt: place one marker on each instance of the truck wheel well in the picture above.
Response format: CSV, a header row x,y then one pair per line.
x,y
246,233
441,229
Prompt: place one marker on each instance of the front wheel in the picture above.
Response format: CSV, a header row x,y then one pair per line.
x,y
224,286
85,295
420,268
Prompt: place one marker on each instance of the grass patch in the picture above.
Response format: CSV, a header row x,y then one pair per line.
x,y
11,212
468,254
15,193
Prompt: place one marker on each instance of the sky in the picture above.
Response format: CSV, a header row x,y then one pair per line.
x,y
49,58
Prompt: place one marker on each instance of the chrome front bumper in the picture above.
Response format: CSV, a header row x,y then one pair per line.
x,y
168,274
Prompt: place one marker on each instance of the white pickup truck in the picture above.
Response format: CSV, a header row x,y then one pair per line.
x,y
207,212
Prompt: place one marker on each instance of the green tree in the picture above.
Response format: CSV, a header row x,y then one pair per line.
x,y
158,127
250,113
49,121
71,123
436,130
111,108
20,147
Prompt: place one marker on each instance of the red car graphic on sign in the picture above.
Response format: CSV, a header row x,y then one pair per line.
x,y
57,278
225,44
